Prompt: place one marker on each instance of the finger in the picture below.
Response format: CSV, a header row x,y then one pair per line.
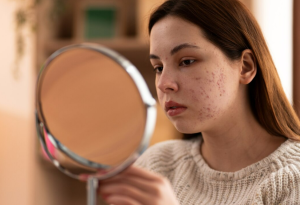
x,y
134,181
83,177
124,190
121,200
141,173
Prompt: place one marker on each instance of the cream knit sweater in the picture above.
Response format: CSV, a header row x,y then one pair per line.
x,y
274,180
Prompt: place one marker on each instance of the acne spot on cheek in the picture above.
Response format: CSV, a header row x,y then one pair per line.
x,y
210,79
204,92
201,116
221,82
208,113
194,97
198,78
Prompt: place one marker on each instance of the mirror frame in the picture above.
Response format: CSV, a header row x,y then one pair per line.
x,y
148,100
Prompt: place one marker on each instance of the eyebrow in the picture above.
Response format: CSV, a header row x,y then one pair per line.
x,y
152,56
176,49
182,46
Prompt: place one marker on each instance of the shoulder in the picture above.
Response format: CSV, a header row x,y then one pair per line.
x,y
282,186
165,155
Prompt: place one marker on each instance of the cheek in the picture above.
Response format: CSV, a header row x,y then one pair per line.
x,y
159,97
205,104
208,94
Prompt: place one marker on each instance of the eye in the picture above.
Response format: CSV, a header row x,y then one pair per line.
x,y
187,62
158,69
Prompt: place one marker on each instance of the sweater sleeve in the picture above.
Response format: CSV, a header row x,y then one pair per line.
x,y
282,187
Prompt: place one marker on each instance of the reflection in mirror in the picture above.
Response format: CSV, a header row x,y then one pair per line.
x,y
86,100
95,114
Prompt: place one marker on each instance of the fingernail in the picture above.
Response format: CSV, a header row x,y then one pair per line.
x,y
83,177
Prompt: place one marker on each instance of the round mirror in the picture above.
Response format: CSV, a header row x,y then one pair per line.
x,y
94,109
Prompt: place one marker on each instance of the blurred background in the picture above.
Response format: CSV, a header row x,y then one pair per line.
x,y
31,30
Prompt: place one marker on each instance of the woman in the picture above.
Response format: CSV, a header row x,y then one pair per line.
x,y
215,75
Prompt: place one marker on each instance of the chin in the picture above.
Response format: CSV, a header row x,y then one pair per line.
x,y
186,128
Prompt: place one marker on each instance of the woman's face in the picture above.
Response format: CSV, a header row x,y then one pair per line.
x,y
197,85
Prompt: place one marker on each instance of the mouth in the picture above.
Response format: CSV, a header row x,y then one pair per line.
x,y
172,108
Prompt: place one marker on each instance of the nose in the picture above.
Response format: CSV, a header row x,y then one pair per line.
x,y
166,82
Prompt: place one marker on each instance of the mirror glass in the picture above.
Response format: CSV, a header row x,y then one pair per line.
x,y
90,110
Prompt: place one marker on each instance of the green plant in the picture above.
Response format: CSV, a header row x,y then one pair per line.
x,y
25,16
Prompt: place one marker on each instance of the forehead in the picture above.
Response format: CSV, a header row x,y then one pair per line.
x,y
173,30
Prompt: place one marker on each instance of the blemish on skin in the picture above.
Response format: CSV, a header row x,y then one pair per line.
x,y
206,113
200,116
198,78
221,82
207,96
203,92
194,97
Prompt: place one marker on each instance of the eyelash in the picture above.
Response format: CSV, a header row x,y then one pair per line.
x,y
182,62
159,69
156,69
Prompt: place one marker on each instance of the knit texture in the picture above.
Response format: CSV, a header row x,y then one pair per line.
x,y
274,180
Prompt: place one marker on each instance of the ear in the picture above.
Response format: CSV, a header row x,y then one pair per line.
x,y
248,67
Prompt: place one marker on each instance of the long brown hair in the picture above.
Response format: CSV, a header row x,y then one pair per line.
x,y
230,26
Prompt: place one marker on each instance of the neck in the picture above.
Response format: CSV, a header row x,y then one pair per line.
x,y
238,146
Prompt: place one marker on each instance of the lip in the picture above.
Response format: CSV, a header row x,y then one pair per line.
x,y
173,108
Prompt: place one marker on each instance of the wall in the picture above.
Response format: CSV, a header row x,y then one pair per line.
x,y
296,53
275,19
16,112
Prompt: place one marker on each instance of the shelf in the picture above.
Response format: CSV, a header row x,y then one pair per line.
x,y
115,44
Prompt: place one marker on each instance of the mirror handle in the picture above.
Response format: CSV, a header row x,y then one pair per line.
x,y
92,186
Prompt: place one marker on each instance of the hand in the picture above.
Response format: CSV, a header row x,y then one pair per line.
x,y
136,186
